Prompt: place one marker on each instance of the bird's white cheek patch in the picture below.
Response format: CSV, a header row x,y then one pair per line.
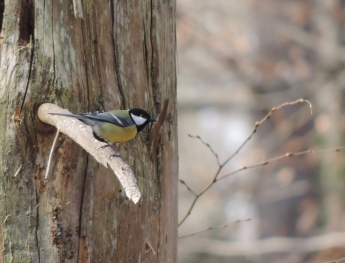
x,y
138,120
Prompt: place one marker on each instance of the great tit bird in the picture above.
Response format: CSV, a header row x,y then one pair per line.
x,y
116,125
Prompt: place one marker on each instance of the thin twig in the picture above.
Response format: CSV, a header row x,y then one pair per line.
x,y
215,179
6,218
215,227
220,166
150,248
51,153
188,188
200,194
20,167
258,123
207,145
338,149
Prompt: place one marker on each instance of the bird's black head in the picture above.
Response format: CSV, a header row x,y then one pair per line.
x,y
141,118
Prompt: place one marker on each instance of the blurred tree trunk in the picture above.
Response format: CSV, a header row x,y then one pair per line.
x,y
331,100
85,55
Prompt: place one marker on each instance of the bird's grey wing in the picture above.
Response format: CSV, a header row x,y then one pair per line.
x,y
109,117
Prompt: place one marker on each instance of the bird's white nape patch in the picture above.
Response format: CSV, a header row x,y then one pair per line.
x,y
138,119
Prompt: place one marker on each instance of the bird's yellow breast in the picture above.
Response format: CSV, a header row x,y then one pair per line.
x,y
112,133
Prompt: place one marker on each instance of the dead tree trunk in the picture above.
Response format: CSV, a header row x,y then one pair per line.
x,y
85,56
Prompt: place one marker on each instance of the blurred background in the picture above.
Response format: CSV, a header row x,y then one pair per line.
x,y
237,60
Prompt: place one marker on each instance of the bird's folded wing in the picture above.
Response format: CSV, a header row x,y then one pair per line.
x,y
111,118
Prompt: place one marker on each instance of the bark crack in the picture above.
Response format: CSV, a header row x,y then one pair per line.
x,y
53,46
115,55
27,38
151,37
36,228
146,55
81,205
29,74
159,197
159,239
155,70
86,68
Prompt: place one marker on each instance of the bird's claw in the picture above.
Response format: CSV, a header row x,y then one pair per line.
x,y
117,154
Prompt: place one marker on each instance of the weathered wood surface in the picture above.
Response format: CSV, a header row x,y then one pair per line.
x,y
86,55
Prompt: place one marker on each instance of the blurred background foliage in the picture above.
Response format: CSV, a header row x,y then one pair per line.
x,y
237,60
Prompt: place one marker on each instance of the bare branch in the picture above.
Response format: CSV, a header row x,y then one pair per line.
x,y
188,188
214,227
7,217
215,179
264,246
207,145
82,134
258,123
51,154
17,172
338,149
198,196
220,166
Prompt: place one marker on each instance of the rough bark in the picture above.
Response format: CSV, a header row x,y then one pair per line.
x,y
84,56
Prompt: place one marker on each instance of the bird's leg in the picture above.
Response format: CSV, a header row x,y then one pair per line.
x,y
100,139
104,146
116,155
117,152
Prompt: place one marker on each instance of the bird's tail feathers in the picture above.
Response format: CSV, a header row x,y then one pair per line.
x,y
80,117
86,119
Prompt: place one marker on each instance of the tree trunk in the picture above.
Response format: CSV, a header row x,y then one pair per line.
x,y
85,56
